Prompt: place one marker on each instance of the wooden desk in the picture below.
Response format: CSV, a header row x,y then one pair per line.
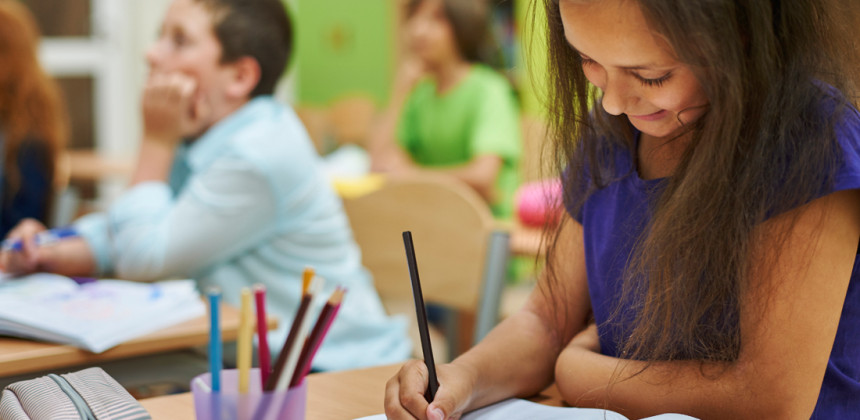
x,y
87,165
19,356
526,241
359,393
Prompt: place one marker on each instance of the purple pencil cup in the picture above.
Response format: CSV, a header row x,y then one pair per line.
x,y
254,405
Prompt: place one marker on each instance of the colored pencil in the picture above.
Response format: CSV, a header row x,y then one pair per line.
x,y
292,337
262,334
297,346
215,361
244,345
316,337
307,277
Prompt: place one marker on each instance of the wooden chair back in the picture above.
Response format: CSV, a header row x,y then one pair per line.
x,y
450,226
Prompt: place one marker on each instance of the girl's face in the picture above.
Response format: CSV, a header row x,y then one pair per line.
x,y
187,45
633,66
430,35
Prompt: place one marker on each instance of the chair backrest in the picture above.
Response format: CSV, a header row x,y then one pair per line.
x,y
460,263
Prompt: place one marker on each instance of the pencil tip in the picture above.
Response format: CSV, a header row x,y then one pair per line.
x,y
307,276
337,296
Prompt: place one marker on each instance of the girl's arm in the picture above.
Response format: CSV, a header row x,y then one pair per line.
x,y
516,358
385,154
789,316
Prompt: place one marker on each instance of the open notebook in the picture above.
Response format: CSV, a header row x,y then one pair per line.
x,y
518,409
95,315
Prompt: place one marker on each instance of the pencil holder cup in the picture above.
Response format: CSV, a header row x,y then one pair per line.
x,y
253,405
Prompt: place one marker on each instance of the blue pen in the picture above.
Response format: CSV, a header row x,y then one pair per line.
x,y
42,238
215,359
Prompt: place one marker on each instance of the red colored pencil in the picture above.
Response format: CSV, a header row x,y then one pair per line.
x,y
262,333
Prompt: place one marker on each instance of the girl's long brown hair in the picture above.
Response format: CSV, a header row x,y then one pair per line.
x,y
765,145
31,107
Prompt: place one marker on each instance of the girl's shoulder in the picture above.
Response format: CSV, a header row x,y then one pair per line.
x,y
845,119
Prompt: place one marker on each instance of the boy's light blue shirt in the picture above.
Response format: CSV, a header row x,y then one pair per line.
x,y
248,203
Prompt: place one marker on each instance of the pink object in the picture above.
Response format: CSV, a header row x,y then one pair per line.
x,y
254,405
539,203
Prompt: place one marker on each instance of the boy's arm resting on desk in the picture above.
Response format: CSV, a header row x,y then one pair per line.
x,y
789,318
220,213
517,358
70,256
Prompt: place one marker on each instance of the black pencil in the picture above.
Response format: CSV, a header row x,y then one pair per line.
x,y
421,312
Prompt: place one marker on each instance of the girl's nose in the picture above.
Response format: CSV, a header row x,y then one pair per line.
x,y
614,96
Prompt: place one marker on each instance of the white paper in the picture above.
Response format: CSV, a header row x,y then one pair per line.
x,y
519,409
94,316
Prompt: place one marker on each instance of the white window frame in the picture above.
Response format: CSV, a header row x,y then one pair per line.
x,y
103,57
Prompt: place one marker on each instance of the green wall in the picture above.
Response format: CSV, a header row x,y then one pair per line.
x,y
532,76
343,47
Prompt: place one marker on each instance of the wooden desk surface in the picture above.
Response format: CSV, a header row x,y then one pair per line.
x,y
19,356
359,393
526,241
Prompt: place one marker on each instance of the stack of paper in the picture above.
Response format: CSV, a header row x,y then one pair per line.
x,y
94,316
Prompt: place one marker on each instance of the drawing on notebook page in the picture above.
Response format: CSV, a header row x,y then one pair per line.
x,y
95,315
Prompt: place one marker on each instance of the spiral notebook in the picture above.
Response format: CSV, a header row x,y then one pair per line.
x,y
93,315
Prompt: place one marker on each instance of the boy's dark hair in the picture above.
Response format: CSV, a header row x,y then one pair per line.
x,y
260,29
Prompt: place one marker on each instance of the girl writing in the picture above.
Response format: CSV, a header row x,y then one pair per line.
x,y
713,221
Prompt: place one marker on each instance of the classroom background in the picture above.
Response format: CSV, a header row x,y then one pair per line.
x,y
345,57
339,78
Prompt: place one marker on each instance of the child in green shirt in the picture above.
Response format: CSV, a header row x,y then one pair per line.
x,y
448,113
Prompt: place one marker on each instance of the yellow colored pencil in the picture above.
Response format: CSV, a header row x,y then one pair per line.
x,y
246,334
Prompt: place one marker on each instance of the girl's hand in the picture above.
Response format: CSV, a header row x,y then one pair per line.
x,y
172,108
393,161
404,393
409,72
26,260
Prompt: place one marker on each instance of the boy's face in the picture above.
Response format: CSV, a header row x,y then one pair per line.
x,y
187,44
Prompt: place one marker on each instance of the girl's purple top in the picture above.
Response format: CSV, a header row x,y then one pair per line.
x,y
614,217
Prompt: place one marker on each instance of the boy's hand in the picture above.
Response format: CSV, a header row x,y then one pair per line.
x,y
26,260
172,108
70,257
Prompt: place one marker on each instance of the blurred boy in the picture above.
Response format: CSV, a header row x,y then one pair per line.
x,y
228,188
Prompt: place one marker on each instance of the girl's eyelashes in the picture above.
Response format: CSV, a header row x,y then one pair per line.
x,y
656,82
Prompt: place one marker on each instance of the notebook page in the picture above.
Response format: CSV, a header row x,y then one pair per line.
x,y
519,409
